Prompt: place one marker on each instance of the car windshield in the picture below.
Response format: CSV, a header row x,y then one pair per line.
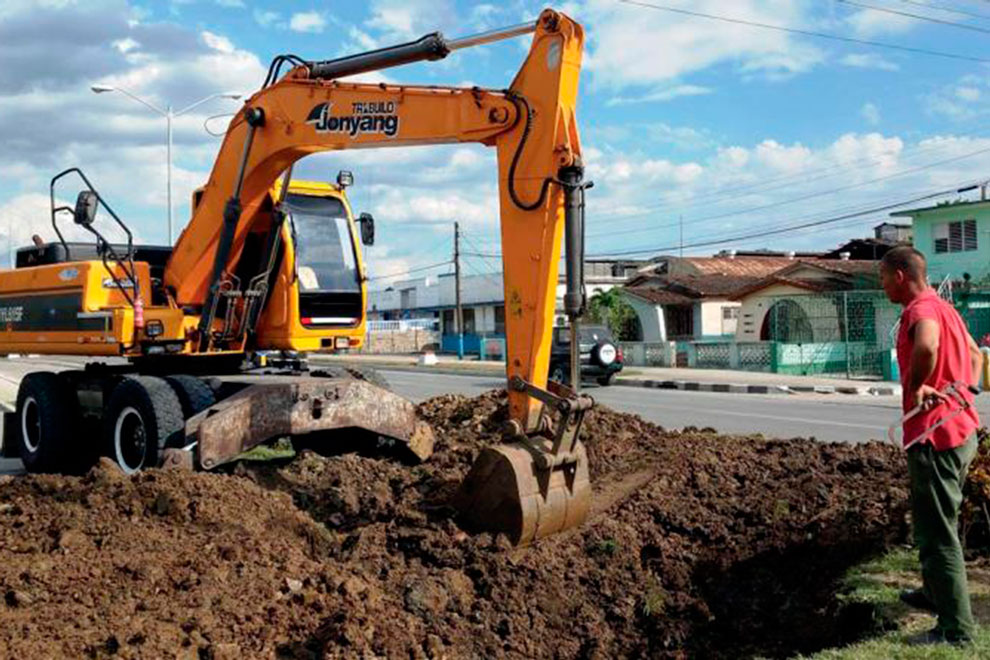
x,y
588,334
325,259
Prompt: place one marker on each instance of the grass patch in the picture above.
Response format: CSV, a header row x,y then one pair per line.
x,y
274,452
877,584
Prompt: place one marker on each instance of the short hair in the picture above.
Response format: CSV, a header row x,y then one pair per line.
x,y
907,259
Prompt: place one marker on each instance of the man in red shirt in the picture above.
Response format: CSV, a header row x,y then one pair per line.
x,y
935,349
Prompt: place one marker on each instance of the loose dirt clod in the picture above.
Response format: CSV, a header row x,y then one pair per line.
x,y
699,544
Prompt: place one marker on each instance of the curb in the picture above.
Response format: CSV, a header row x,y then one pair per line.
x,y
734,388
684,385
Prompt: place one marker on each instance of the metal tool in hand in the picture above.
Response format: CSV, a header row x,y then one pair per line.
x,y
953,392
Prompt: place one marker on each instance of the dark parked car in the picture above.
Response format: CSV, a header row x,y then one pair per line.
x,y
601,357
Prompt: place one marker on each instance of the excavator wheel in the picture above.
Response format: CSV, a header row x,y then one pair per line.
x,y
144,414
194,394
48,421
509,491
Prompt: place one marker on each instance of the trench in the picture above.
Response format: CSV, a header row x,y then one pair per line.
x,y
783,603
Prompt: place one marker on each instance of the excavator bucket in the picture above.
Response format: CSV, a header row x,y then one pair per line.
x,y
535,486
507,491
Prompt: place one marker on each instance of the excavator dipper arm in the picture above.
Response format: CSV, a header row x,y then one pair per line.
x,y
532,125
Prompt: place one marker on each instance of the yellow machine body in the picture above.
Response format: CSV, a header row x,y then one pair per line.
x,y
82,307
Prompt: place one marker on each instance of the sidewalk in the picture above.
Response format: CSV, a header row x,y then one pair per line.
x,y
700,380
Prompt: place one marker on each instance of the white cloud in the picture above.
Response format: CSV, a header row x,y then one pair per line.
x,y
266,18
309,21
218,42
638,47
968,94
962,100
234,4
661,95
125,45
871,113
871,23
868,61
400,20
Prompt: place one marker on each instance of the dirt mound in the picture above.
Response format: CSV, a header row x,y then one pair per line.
x,y
699,545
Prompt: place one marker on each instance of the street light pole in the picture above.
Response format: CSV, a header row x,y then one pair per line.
x,y
169,115
168,156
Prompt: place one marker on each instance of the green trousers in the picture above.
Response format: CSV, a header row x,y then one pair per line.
x,y
936,493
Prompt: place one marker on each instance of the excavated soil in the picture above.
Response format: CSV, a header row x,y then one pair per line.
x,y
699,545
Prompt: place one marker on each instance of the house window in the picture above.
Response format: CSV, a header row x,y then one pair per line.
x,y
500,319
730,313
468,315
449,326
958,236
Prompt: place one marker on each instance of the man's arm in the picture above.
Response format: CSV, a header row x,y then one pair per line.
x,y
923,359
975,358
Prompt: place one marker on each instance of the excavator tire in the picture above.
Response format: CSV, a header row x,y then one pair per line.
x,y
194,394
47,421
144,414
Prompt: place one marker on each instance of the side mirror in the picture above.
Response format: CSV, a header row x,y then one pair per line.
x,y
86,205
367,228
345,179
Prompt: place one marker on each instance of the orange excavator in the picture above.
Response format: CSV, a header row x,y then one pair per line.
x,y
246,278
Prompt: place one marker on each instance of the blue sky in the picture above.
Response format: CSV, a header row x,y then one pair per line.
x,y
728,128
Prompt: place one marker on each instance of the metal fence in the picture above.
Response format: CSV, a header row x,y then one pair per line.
x,y
402,325
843,332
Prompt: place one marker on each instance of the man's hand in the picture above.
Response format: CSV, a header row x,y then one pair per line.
x,y
928,397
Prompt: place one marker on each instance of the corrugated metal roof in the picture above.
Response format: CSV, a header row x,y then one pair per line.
x,y
739,266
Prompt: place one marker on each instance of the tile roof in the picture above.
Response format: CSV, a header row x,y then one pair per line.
x,y
739,266
659,296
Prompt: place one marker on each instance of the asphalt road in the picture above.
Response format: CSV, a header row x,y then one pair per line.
x,y
833,418
830,417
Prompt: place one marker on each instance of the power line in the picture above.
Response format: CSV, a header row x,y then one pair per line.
x,y
802,198
807,33
784,230
410,271
918,17
716,195
951,10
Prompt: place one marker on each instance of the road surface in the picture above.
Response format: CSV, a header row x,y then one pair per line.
x,y
832,417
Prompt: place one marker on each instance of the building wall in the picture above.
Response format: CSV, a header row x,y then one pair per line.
x,y
710,316
954,264
650,318
753,309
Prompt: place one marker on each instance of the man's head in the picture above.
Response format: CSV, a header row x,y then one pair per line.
x,y
903,273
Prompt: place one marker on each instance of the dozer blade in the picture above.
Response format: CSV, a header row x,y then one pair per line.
x,y
537,485
511,490
294,406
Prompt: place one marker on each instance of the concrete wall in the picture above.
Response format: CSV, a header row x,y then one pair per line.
x,y
400,341
954,264
710,315
650,318
754,308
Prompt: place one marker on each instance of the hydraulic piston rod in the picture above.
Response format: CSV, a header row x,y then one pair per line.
x,y
431,47
572,180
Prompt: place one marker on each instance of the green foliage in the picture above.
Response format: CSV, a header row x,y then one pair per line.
x,y
612,310
604,548
974,515
655,599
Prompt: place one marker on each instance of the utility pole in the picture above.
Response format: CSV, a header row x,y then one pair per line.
x,y
458,316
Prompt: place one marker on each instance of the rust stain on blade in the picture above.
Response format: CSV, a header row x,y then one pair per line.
x,y
269,410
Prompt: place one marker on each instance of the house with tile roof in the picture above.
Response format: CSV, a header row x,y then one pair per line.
x,y
688,298
776,307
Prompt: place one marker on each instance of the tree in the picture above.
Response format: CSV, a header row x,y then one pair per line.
x,y
612,310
